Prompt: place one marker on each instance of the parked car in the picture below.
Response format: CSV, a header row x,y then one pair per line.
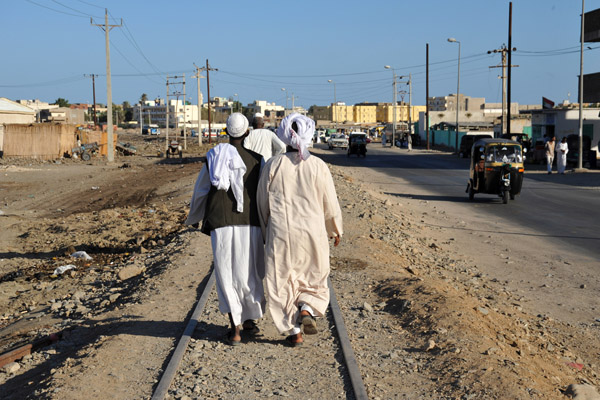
x,y
338,140
466,142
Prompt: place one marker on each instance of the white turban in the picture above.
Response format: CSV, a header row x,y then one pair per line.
x,y
258,115
237,125
300,140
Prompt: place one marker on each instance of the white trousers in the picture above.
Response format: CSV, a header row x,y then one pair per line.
x,y
238,254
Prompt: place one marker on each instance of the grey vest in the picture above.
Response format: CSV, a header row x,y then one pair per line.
x,y
221,206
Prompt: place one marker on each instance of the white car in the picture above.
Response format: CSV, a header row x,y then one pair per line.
x,y
338,140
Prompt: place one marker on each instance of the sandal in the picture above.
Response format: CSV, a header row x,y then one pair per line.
x,y
309,325
291,341
229,339
250,327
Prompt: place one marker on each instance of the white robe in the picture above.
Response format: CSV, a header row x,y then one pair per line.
x,y
299,212
561,157
264,142
238,257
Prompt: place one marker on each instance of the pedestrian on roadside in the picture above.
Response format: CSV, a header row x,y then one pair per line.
x,y
561,156
263,141
550,148
409,142
383,139
299,211
224,200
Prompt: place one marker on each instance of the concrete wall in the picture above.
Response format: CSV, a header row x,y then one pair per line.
x,y
41,141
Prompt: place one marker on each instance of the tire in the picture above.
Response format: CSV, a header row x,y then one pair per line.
x,y
505,195
85,156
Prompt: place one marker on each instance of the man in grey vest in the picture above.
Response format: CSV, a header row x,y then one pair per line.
x,y
224,200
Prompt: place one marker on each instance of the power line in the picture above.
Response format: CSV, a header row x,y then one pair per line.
x,y
55,10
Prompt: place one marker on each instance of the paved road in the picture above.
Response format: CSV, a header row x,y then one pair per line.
x,y
565,209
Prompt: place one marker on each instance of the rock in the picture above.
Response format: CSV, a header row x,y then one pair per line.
x,y
367,307
56,306
482,310
78,295
378,219
490,351
130,271
583,392
113,297
430,345
11,368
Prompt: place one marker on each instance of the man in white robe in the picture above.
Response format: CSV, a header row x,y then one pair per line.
x,y
224,200
263,141
561,155
299,212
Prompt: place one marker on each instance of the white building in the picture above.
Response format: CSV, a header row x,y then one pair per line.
x,y
180,115
12,112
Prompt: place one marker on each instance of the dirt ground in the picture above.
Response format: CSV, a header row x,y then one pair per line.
x,y
419,306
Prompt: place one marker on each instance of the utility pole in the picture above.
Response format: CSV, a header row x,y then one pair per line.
x,y
141,119
184,121
509,63
503,50
93,76
427,92
580,158
167,116
409,103
208,69
106,27
198,76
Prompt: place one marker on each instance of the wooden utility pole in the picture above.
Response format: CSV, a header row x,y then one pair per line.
x,y
93,76
509,64
208,69
503,50
427,92
106,27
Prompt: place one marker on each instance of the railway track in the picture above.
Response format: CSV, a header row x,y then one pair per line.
x,y
325,367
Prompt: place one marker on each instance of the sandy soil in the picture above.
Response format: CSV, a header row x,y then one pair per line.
x,y
428,316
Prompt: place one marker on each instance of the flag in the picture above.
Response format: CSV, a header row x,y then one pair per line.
x,y
547,104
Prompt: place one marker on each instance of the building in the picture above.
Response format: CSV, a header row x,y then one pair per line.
x,y
154,112
562,122
63,115
448,103
12,112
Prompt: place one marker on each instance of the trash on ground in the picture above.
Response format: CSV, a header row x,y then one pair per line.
x,y
62,269
81,254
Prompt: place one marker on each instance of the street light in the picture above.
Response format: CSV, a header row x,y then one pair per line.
x,y
452,40
394,105
238,100
334,104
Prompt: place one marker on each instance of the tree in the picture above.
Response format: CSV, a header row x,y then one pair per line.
x,y
144,98
311,110
128,111
62,102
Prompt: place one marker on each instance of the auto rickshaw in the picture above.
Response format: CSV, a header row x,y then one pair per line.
x,y
357,144
496,168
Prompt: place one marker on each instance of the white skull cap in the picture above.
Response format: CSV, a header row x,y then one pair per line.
x,y
237,125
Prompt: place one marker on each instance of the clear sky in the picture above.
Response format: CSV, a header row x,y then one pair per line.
x,y
263,46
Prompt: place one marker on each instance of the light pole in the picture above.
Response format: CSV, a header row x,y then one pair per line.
x,y
238,99
334,116
286,101
394,105
452,40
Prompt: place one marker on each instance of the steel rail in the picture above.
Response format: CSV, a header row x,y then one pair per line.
x,y
358,386
169,374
